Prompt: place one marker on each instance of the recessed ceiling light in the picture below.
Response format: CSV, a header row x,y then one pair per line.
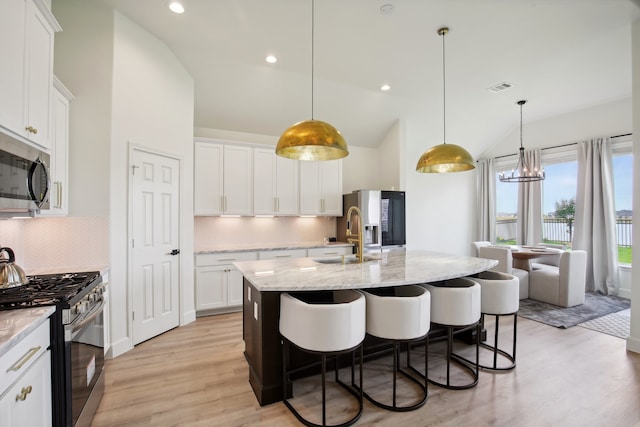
x,y
271,59
176,7
385,87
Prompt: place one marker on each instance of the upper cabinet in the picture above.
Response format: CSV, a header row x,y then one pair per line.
x,y
321,188
27,28
248,179
275,184
58,169
223,183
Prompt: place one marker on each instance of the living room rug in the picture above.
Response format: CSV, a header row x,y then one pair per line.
x,y
595,305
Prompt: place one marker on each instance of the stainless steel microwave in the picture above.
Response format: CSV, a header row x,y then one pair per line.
x,y
24,177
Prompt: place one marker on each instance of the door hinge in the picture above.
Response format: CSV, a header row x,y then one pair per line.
x,y
133,169
133,243
133,315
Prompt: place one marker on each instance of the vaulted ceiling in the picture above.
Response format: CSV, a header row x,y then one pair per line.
x,y
561,55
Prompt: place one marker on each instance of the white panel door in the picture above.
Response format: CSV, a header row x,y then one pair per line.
x,y
155,231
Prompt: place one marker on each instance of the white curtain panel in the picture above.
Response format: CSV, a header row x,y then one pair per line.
x,y
530,204
595,225
486,214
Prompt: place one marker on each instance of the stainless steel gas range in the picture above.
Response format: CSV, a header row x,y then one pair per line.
x,y
77,339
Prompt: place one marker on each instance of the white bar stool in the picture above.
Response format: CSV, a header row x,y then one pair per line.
x,y
326,323
455,305
500,297
402,315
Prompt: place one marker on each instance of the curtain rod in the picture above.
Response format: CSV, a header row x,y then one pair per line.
x,y
559,146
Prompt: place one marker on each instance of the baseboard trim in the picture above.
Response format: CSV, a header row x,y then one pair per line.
x,y
120,347
188,317
633,344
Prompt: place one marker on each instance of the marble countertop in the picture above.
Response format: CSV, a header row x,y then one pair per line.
x,y
17,324
387,269
272,247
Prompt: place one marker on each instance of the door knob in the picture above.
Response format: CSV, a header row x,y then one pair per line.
x,y
175,252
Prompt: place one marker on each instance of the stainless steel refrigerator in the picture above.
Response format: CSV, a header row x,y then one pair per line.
x,y
383,218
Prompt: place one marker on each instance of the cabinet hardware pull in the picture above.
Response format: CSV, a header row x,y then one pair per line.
x,y
23,393
59,194
283,256
227,259
31,129
20,363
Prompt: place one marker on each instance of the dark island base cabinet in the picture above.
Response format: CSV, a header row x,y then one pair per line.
x,y
263,345
263,349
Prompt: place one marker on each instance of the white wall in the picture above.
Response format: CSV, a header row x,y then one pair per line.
x,y
440,207
613,118
633,342
153,99
360,169
129,89
391,159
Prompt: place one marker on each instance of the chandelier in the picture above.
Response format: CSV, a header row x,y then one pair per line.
x,y
522,172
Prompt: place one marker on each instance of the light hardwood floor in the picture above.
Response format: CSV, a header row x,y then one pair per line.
x,y
196,375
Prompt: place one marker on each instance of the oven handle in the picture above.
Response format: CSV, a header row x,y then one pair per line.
x,y
88,318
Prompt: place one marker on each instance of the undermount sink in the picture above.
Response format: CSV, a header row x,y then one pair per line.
x,y
349,259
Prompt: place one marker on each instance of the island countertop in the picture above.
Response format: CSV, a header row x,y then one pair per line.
x,y
393,268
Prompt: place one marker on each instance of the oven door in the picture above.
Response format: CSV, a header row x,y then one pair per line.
x,y
85,338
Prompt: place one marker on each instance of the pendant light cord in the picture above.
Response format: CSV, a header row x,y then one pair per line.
x,y
521,104
444,96
312,44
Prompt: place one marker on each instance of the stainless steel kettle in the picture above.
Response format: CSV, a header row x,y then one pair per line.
x,y
11,274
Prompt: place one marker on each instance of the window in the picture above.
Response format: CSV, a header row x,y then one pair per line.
x,y
506,212
559,202
623,190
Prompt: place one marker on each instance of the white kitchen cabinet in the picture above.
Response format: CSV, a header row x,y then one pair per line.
x,y
27,29
58,169
321,188
25,374
218,283
282,253
275,184
329,251
223,179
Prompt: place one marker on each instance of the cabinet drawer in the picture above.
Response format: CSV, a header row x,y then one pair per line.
x,y
335,251
17,360
224,258
285,253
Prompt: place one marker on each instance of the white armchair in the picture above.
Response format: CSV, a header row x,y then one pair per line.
x,y
505,265
475,247
563,285
546,261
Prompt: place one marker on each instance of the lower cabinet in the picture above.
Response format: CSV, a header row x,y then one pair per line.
x,y
26,371
218,283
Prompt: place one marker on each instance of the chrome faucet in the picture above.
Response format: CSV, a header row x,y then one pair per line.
x,y
353,238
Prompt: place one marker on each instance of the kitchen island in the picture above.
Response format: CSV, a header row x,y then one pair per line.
x,y
264,281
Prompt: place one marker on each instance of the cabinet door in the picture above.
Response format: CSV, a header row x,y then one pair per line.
x,y
331,187
39,76
287,186
58,196
238,180
234,287
28,401
12,71
208,178
310,196
211,287
264,181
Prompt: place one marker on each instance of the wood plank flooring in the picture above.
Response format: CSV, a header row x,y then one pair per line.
x,y
196,375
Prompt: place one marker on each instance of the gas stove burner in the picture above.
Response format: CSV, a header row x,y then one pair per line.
x,y
49,289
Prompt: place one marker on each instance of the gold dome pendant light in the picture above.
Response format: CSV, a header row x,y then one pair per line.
x,y
522,172
445,157
312,139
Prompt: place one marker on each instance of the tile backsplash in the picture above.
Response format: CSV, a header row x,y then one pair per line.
x,y
42,244
214,232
